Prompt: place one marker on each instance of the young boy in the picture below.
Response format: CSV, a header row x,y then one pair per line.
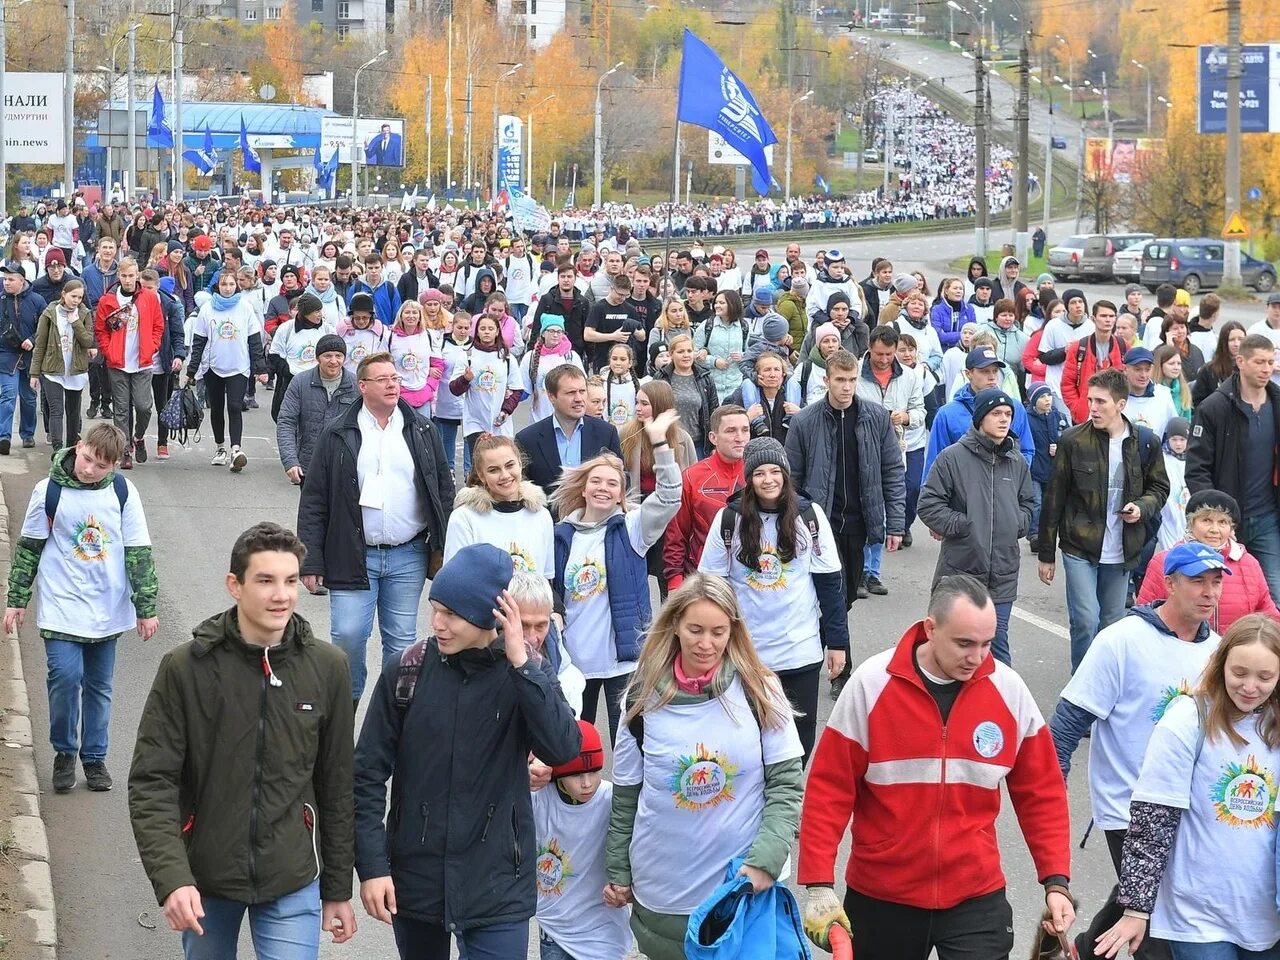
x,y
1047,424
84,542
571,821
983,305
386,298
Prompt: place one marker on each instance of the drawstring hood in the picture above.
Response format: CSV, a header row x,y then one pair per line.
x,y
266,668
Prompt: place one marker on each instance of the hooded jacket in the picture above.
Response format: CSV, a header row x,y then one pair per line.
x,y
239,786
1219,433
956,417
96,283
47,356
19,318
947,319
904,392
473,303
1001,288
979,497
1244,592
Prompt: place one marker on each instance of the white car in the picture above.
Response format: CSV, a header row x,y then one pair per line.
x,y
1126,266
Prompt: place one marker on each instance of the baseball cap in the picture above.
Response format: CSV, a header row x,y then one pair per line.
x,y
12,266
1273,299
980,357
762,252
1139,355
1193,559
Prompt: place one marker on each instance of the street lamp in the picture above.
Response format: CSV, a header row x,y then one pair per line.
x,y
529,123
1071,68
794,104
1147,71
355,138
496,85
599,174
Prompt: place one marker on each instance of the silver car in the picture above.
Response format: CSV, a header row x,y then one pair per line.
x,y
1126,266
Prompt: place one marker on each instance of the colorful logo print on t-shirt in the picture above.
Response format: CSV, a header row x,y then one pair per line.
x,y
553,868
357,353
770,572
1167,696
409,362
487,381
1245,794
307,354
620,413
89,540
228,330
703,780
521,559
586,580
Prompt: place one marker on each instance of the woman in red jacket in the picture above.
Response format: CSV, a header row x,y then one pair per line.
x,y
1212,519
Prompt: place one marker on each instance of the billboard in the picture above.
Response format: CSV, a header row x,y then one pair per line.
x,y
33,118
1120,159
719,152
381,141
510,153
1259,88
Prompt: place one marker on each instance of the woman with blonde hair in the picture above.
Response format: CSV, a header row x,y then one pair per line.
x,y
673,321
393,264
1169,372
434,314
708,727
693,388
418,354
601,531
1199,862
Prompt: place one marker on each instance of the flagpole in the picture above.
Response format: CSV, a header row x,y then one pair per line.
x,y
448,115
675,186
428,125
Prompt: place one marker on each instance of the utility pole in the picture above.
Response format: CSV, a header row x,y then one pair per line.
x,y
131,178
4,179
69,105
1048,170
1021,200
448,116
980,165
1231,256
430,81
178,53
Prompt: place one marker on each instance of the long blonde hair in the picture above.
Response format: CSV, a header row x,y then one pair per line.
x,y
633,436
1162,355
651,686
571,494
664,320
1212,688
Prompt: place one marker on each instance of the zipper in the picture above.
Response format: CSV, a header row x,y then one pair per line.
x,y
515,832
487,819
425,819
257,789
942,795
309,821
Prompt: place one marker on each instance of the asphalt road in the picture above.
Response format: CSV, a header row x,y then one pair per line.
x,y
195,511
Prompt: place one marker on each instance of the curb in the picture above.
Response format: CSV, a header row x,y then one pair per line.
x,y
36,922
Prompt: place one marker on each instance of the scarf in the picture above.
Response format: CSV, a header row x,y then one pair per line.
x,y
816,358
562,349
327,297
225,303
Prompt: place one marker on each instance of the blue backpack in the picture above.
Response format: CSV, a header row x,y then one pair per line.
x,y
736,923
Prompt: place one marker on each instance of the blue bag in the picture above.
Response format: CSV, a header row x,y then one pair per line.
x,y
736,923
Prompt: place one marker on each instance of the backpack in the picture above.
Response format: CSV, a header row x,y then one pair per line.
x,y
53,495
728,524
635,726
182,414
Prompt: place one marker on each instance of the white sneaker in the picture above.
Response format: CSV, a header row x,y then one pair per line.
x,y
220,458
238,460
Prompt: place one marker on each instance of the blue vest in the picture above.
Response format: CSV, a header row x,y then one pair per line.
x,y
628,583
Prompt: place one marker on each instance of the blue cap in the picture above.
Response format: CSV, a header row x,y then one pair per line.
x,y
1139,355
12,266
980,357
1193,559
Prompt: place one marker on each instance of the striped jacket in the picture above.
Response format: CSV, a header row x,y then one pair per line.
x,y
924,796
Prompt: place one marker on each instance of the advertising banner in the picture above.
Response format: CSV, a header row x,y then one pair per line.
x,y
1260,73
510,153
33,118
381,141
1121,159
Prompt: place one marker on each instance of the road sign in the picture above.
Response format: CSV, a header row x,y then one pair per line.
x,y
1260,73
1236,228
1254,194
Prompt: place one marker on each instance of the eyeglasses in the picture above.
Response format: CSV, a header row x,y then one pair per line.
x,y
383,381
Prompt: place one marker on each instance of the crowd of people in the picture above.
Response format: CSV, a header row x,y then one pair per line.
x,y
755,437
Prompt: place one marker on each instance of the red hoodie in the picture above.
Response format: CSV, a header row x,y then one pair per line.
x,y
923,795
708,484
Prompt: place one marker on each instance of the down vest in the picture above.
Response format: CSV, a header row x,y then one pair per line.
x,y
1243,593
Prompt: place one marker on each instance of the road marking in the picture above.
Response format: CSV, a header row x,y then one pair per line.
x,y
1048,626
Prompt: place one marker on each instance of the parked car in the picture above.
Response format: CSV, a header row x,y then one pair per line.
x,y
1126,265
871,155
1195,264
1089,255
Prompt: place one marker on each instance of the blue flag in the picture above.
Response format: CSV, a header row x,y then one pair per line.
x,y
206,158
159,134
822,184
251,162
712,96
326,170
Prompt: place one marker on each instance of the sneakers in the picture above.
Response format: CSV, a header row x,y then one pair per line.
x,y
28,443
1033,545
140,450
251,403
906,540
162,451
220,457
96,777
126,462
875,587
64,772
862,589
238,460
5,444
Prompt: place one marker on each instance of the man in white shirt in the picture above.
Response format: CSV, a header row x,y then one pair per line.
x,y
371,551
520,277
1150,404
1269,326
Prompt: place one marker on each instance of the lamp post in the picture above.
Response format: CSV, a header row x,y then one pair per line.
x,y
496,85
355,138
69,105
599,142
1071,69
1147,70
794,104
529,123
130,106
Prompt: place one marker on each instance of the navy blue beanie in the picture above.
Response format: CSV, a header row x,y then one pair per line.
x,y
471,581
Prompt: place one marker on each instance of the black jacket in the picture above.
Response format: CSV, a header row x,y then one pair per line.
x,y
409,286
1219,432
330,521
574,321
458,841
538,441
710,399
174,342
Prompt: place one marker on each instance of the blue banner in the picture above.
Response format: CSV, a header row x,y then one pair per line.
x,y
712,96
510,154
206,158
251,162
1255,100
159,133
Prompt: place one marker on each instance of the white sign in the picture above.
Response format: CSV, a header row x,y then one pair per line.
x,y
33,118
381,140
719,151
527,215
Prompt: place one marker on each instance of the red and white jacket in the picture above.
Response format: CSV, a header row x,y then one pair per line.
x,y
924,796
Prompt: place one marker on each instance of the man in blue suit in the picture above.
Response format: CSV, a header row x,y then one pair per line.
x,y
567,438
384,150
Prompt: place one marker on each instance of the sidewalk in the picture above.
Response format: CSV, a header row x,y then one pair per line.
x,y
28,922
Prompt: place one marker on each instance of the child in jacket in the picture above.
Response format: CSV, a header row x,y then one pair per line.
x,y
1047,424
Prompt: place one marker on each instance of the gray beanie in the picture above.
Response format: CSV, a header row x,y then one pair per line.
x,y
800,286
904,283
774,327
762,451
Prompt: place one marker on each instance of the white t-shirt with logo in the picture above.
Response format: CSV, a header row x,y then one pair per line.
x,y
412,355
570,875
521,275
526,535
541,407
778,599
588,621
361,344
1113,536
1153,412
227,333
1220,883
1057,334
495,374
298,347
132,339
701,795
620,400
82,587
1127,680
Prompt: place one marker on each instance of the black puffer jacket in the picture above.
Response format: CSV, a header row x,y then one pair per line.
x,y
458,842
1219,435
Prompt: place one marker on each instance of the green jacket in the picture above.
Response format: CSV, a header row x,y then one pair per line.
x,y
783,792
240,787
791,306
1074,511
47,356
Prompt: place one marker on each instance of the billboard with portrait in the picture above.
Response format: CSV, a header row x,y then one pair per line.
x,y
381,141
1120,159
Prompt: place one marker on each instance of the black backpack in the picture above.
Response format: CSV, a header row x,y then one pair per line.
x,y
728,523
183,415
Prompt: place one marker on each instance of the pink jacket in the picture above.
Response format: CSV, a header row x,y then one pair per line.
x,y
509,329
1244,592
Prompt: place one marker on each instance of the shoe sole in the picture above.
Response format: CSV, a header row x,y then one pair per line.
x,y
101,789
239,462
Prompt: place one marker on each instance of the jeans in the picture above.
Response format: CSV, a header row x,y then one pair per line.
x,y
1037,494
1000,648
397,576
1260,533
1220,951
64,412
80,677
872,555
548,949
613,688
1095,599
287,928
449,437
417,940
915,480
135,387
15,390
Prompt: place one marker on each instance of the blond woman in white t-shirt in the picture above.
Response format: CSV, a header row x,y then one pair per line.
x,y
707,767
